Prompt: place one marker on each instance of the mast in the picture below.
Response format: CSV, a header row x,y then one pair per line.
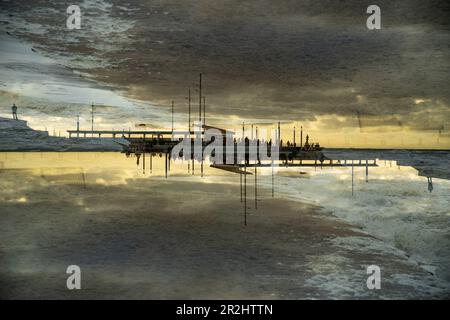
x,y
189,119
279,132
204,111
301,136
200,99
92,119
172,117
78,125
294,135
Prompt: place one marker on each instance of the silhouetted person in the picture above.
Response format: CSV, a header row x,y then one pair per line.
x,y
306,146
14,112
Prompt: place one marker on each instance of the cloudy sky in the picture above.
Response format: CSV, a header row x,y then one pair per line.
x,y
303,62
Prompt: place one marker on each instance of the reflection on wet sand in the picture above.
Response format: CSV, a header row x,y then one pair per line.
x,y
138,235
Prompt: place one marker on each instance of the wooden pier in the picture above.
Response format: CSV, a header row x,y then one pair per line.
x,y
121,133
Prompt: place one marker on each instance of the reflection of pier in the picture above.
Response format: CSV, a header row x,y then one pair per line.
x,y
324,163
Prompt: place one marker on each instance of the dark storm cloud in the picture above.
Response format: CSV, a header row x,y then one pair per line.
x,y
282,59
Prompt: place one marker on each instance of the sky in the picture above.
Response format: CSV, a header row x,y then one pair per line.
x,y
304,63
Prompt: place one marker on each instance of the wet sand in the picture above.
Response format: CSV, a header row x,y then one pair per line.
x,y
163,239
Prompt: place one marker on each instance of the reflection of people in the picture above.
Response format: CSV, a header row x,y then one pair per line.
x,y
14,111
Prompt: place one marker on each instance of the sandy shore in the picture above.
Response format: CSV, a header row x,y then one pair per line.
x,y
158,239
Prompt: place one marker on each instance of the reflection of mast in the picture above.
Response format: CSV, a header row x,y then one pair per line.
x,y
240,181
165,170
143,160
189,124
256,186
245,192
272,178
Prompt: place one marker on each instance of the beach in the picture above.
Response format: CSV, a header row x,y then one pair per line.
x,y
138,235
82,108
